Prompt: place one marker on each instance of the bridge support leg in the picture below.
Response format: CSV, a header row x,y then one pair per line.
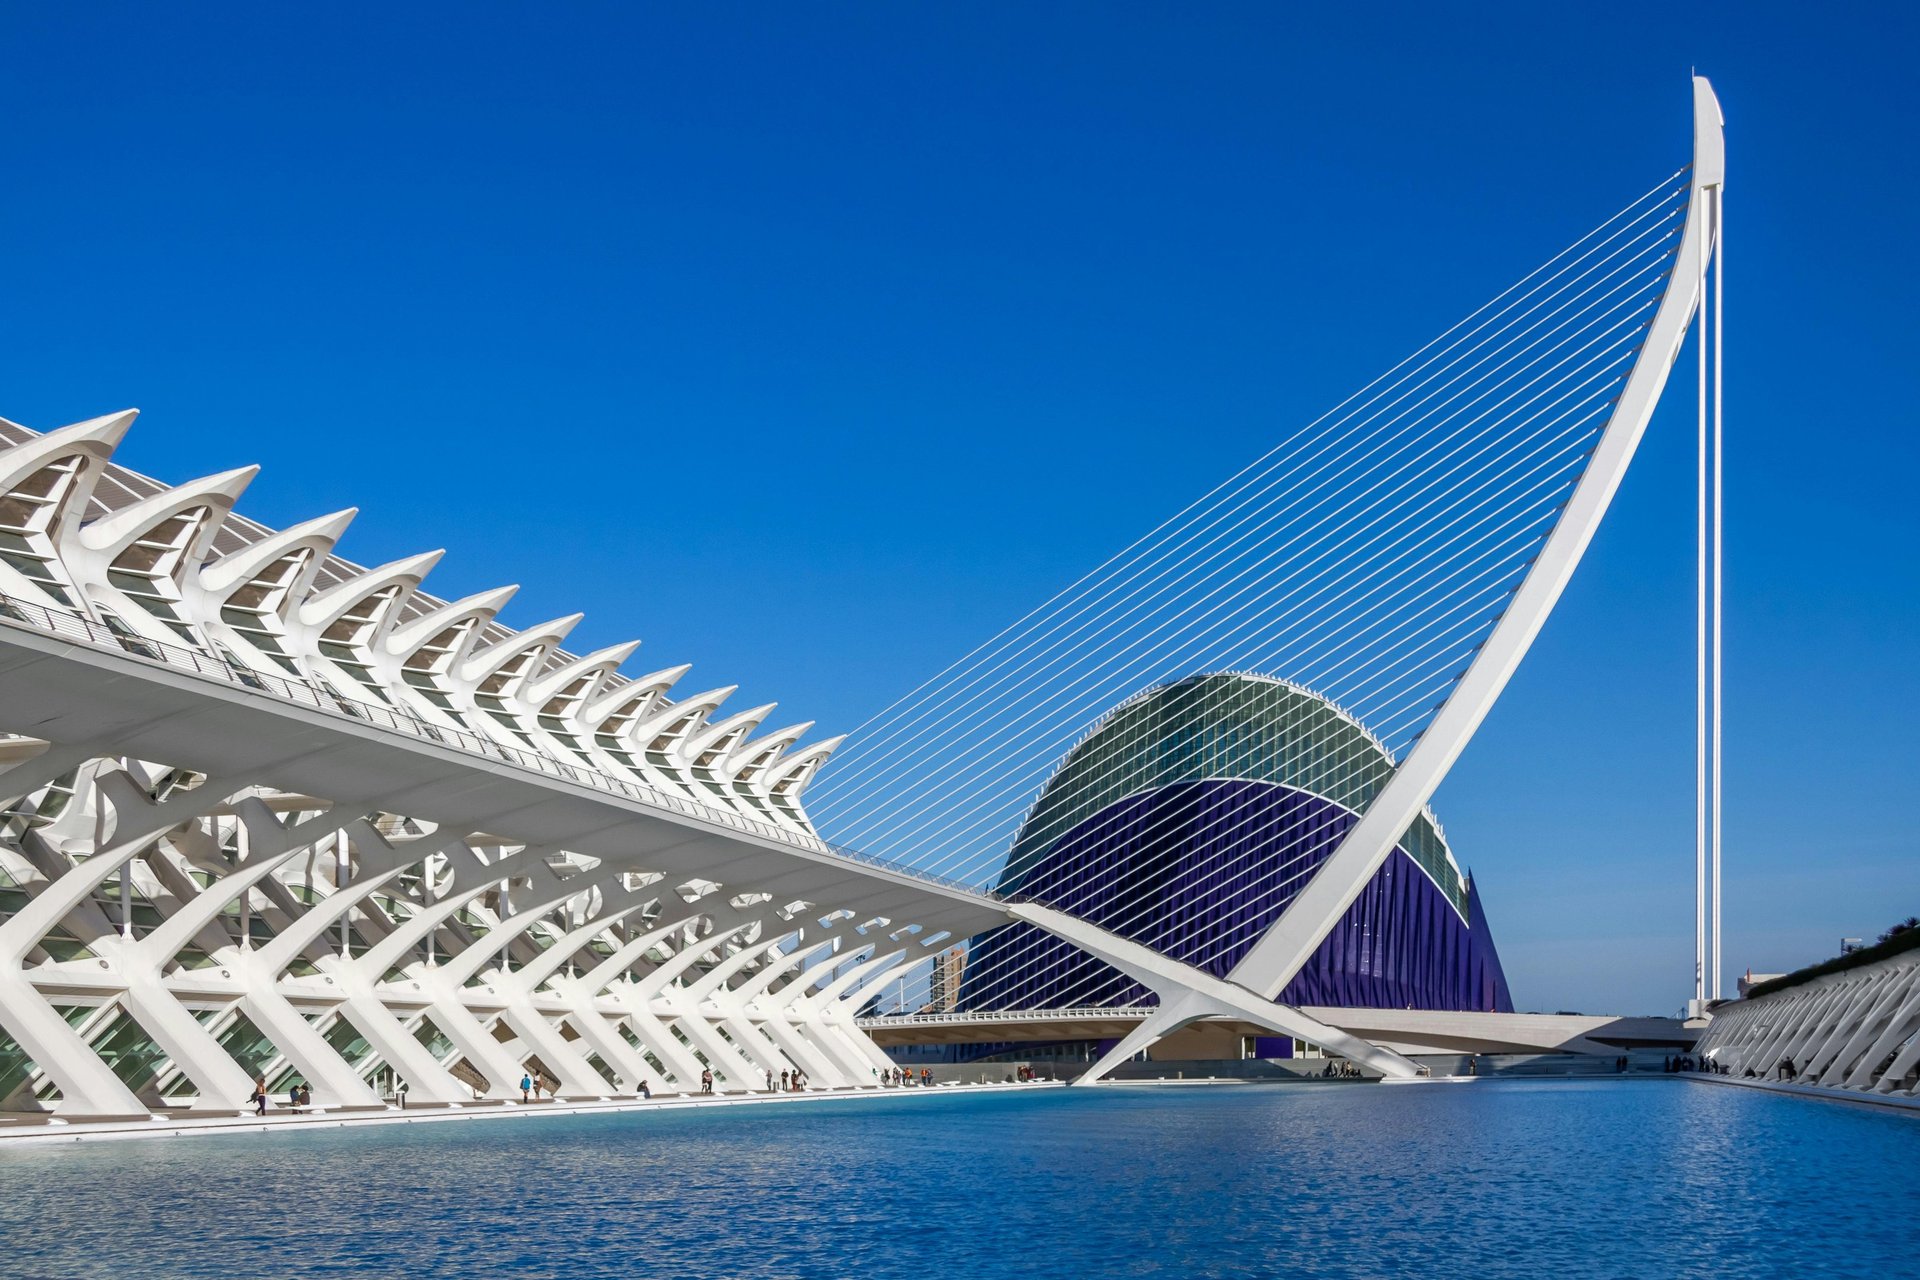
x,y
1175,1012
1188,994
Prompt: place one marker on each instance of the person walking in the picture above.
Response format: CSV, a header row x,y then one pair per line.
x,y
526,1086
259,1098
706,1080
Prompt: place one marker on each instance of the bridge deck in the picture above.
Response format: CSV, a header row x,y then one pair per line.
x,y
1404,1030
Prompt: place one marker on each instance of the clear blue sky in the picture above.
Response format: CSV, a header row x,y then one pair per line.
x,y
812,343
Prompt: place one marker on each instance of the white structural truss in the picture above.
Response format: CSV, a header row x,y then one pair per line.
x,y
1857,1031
266,813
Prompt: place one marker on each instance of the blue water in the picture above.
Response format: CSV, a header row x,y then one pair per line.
x,y
1643,1178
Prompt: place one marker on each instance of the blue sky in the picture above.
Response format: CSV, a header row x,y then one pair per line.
x,y
811,344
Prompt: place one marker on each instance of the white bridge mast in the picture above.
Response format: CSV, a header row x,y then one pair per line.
x,y
1258,978
1708,964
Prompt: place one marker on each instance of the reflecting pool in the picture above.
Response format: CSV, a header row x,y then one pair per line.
x,y
1650,1177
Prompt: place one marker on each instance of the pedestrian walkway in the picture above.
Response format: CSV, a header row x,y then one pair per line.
x,y
54,1130
1888,1103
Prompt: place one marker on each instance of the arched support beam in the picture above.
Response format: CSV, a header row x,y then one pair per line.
x,y
1287,946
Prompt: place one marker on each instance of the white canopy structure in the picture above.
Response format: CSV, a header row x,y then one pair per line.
x,y
271,813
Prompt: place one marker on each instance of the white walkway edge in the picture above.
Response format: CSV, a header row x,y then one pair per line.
x,y
44,1134
1911,1106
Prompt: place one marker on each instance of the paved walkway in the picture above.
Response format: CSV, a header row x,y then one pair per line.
x,y
1909,1105
37,1131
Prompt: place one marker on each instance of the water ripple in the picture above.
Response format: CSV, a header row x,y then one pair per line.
x,y
1497,1179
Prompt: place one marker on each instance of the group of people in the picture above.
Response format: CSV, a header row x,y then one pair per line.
x,y
299,1096
1687,1062
790,1081
904,1076
1341,1069
1026,1075
533,1084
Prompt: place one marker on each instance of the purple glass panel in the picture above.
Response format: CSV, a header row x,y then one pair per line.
x,y
1198,871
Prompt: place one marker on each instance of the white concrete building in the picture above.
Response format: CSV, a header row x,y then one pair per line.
x,y
268,813
1856,1031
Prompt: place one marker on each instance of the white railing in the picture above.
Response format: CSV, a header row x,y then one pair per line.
x,y
1076,1014
77,627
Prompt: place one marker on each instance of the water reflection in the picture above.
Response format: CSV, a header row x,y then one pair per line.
x,y
1613,1178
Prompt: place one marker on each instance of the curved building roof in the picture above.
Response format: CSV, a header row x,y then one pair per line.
x,y
1223,725
1190,817
178,565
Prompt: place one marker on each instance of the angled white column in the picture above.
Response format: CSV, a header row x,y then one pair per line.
x,y
872,1059
1890,996
600,1036
716,1001
1897,1070
1187,993
658,1037
222,1084
754,986
577,1076
675,1008
1863,997
652,1033
335,1081
822,1066
815,1044
88,1087
836,1001
1786,1042
1904,1022
468,1031
875,970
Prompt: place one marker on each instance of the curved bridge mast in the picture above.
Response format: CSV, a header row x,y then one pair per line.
x,y
1186,993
